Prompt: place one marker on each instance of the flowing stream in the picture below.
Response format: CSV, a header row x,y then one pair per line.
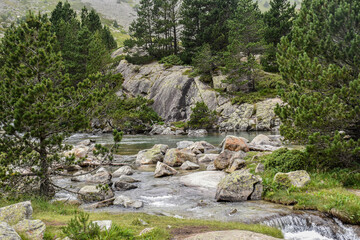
x,y
170,197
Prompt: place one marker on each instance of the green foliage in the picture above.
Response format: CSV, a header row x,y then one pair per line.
x,y
170,61
321,66
204,22
245,41
39,106
202,117
155,29
285,160
180,124
278,21
203,60
131,114
81,228
84,44
139,60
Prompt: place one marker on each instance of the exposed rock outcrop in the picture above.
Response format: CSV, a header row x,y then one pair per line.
x,y
174,94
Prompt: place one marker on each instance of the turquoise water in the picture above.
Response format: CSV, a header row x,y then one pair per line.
x,y
132,144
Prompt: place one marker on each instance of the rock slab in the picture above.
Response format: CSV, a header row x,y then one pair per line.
x,y
230,235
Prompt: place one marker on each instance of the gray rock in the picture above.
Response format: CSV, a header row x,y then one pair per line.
x,y
7,232
163,170
201,147
123,186
211,167
157,129
226,159
207,158
33,229
260,168
127,202
230,235
94,194
103,224
184,144
102,176
125,170
297,178
236,164
197,133
261,139
168,131
152,155
189,166
15,213
127,179
239,186
175,157
206,179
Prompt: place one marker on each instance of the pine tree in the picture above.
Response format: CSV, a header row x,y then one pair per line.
x,y
278,21
98,57
204,22
156,28
39,106
245,41
321,65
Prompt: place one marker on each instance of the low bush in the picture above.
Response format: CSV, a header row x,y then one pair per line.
x,y
139,60
202,117
285,160
171,60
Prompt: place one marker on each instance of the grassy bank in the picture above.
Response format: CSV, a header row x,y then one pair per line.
x,y
57,215
336,192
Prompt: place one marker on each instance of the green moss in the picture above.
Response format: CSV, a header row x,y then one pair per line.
x,y
282,179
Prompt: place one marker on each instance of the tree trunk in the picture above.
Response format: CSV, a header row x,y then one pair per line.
x,y
46,189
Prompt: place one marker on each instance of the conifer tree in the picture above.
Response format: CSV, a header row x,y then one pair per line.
x,y
204,22
39,106
245,41
278,21
321,64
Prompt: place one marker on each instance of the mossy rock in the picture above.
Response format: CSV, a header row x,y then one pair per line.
x,y
297,179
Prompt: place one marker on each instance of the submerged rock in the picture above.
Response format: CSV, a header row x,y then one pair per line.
x,y
125,170
163,170
94,194
127,202
189,166
297,178
175,157
152,155
239,186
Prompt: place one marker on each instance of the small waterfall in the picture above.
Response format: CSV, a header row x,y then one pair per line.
x,y
308,227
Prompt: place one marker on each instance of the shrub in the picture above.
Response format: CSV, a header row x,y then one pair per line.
x,y
171,60
139,60
285,160
201,116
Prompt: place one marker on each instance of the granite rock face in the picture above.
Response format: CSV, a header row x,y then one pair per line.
x,y
174,94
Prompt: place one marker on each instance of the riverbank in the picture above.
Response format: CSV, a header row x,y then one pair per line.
x,y
58,215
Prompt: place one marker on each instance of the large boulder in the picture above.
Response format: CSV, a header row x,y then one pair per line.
x,y
32,229
297,178
125,170
15,213
175,157
201,147
123,186
184,144
207,158
226,159
189,166
127,202
7,232
206,179
239,186
102,176
236,164
233,143
230,235
94,194
163,170
265,143
261,139
152,155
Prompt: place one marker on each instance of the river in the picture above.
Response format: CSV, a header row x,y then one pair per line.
x,y
170,197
